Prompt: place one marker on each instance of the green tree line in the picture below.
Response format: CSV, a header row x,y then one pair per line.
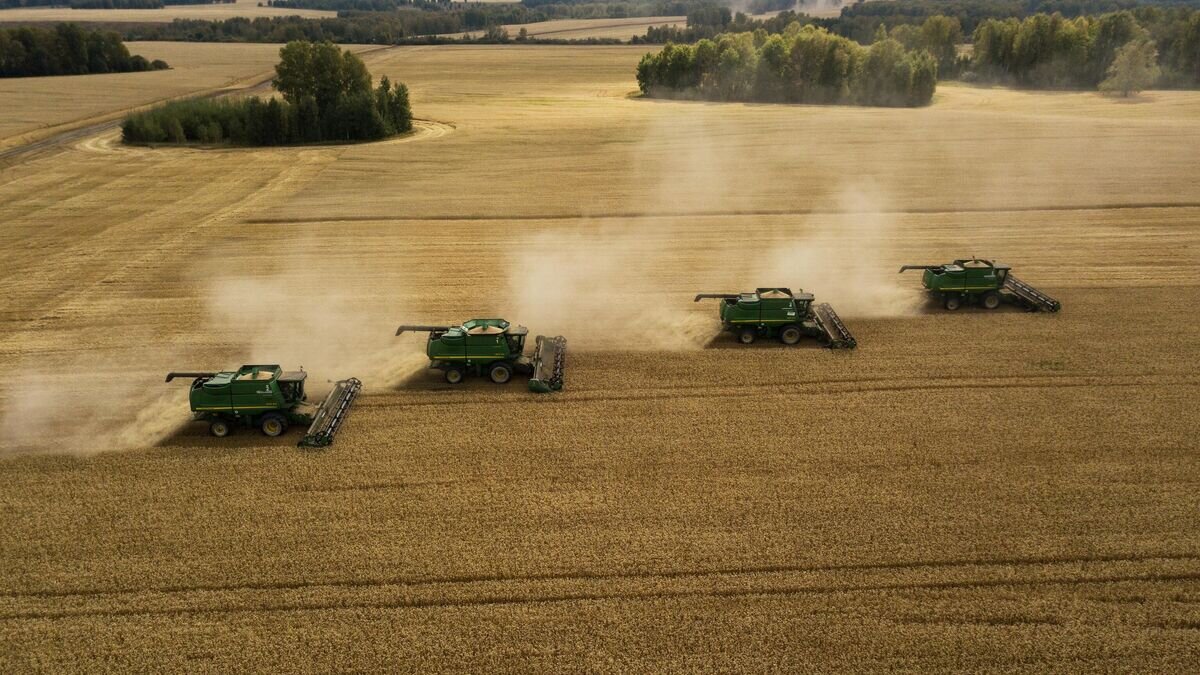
x,y
66,49
1050,51
326,97
803,64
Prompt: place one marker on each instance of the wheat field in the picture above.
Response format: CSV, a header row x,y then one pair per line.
x,y
970,491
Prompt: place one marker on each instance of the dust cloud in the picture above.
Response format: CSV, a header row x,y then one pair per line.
x,y
328,329
847,258
602,290
83,409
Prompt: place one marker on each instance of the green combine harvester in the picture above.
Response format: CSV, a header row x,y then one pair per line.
x,y
266,397
981,281
777,312
494,347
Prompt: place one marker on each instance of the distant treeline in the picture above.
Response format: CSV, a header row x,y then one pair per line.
x,y
1054,52
107,4
528,11
803,64
327,96
66,49
1041,50
140,4
861,21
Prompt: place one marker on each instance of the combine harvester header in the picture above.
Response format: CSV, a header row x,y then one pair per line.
x,y
266,397
494,347
778,312
982,281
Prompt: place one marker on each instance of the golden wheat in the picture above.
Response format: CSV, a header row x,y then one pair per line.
x,y
965,491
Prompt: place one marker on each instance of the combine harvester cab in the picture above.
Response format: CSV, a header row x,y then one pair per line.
x,y
975,280
266,397
496,348
778,312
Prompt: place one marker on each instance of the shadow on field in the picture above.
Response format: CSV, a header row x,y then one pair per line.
x,y
728,341
932,305
195,436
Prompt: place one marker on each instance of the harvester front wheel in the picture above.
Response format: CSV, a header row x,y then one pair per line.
x,y
789,335
952,302
991,300
273,425
500,372
747,336
454,375
218,428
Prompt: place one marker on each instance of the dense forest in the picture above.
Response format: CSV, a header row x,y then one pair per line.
x,y
326,97
803,64
66,50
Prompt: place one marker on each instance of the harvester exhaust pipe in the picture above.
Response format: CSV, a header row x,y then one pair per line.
x,y
421,329
332,413
549,364
172,375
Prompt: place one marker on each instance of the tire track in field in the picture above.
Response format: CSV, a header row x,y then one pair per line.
x,y
792,388
602,596
416,581
633,215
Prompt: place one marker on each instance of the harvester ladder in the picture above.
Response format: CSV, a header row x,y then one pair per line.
x,y
835,331
1032,297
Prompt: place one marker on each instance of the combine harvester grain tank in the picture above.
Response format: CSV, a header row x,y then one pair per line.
x,y
778,312
975,280
496,348
267,397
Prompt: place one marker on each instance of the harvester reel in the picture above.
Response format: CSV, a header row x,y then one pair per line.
x,y
332,413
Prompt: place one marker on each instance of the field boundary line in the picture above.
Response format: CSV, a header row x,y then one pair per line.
x,y
634,215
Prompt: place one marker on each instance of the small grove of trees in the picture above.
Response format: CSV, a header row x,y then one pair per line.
x,y
326,96
804,64
66,50
1051,51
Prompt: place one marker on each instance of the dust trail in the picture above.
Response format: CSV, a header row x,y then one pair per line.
x,y
295,319
848,259
81,409
601,291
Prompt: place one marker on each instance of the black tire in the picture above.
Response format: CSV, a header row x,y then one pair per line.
x,y
219,428
273,424
790,335
454,375
991,300
500,372
952,302
747,336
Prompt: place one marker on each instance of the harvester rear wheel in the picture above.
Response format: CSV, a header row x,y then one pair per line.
x,y
273,424
500,372
790,335
991,300
454,375
219,428
747,336
952,302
